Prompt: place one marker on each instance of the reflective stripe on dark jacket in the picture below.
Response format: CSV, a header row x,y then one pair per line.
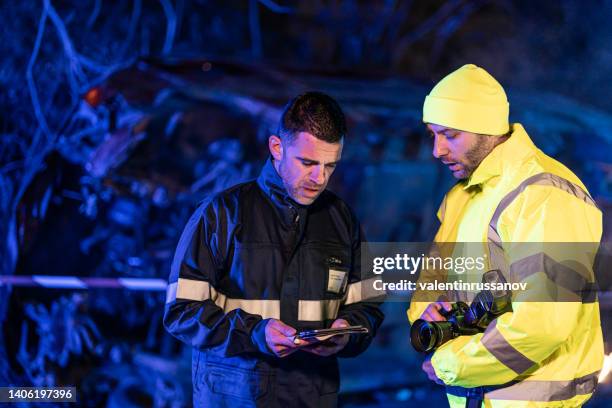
x,y
251,254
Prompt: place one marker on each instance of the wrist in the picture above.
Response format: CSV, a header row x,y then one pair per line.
x,y
258,337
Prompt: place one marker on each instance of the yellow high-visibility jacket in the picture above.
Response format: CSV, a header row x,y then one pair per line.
x,y
546,354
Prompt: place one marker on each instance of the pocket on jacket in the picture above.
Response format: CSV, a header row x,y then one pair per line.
x,y
234,382
325,270
337,271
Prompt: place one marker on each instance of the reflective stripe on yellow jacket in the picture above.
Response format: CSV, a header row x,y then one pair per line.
x,y
551,352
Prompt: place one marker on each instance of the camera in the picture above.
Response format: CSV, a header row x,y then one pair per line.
x,y
463,319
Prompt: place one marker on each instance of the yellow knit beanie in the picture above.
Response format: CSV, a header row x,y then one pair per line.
x,y
468,99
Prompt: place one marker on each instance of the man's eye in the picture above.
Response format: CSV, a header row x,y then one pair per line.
x,y
307,163
331,166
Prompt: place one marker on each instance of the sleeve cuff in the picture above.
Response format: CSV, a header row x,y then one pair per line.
x,y
258,337
445,366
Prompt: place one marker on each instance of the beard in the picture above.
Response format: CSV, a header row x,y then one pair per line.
x,y
282,172
476,154
293,189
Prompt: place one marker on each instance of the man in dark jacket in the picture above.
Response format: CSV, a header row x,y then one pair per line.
x,y
267,258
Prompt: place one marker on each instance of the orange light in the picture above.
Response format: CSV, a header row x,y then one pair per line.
x,y
94,96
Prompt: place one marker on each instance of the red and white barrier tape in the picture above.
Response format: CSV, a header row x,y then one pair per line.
x,y
73,282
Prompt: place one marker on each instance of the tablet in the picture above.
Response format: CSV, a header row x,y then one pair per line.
x,y
326,334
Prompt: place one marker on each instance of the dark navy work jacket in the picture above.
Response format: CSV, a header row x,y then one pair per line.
x,y
250,254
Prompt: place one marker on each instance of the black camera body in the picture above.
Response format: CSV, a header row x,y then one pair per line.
x,y
463,319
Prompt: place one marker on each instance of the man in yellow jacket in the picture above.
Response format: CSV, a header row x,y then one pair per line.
x,y
527,208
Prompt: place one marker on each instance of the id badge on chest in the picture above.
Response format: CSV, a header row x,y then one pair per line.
x,y
337,277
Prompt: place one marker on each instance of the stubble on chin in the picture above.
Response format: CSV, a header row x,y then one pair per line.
x,y
476,155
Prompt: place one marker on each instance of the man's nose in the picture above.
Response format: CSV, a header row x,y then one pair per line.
x,y
318,175
439,147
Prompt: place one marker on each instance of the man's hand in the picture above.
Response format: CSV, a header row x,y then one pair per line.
x,y
432,313
279,338
331,346
429,370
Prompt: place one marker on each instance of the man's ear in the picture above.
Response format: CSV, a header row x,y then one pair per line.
x,y
276,147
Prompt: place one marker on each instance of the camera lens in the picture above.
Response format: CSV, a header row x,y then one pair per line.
x,y
427,336
423,336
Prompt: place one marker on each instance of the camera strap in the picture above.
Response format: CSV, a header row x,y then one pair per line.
x,y
474,397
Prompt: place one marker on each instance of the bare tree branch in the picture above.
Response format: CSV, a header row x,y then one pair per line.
x,y
450,26
42,121
95,66
133,25
8,167
171,26
179,10
382,22
76,77
271,5
94,13
428,25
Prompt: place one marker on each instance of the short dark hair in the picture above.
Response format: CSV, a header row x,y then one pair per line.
x,y
313,112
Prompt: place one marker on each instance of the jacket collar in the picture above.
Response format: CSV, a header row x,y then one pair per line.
x,y
272,185
514,150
